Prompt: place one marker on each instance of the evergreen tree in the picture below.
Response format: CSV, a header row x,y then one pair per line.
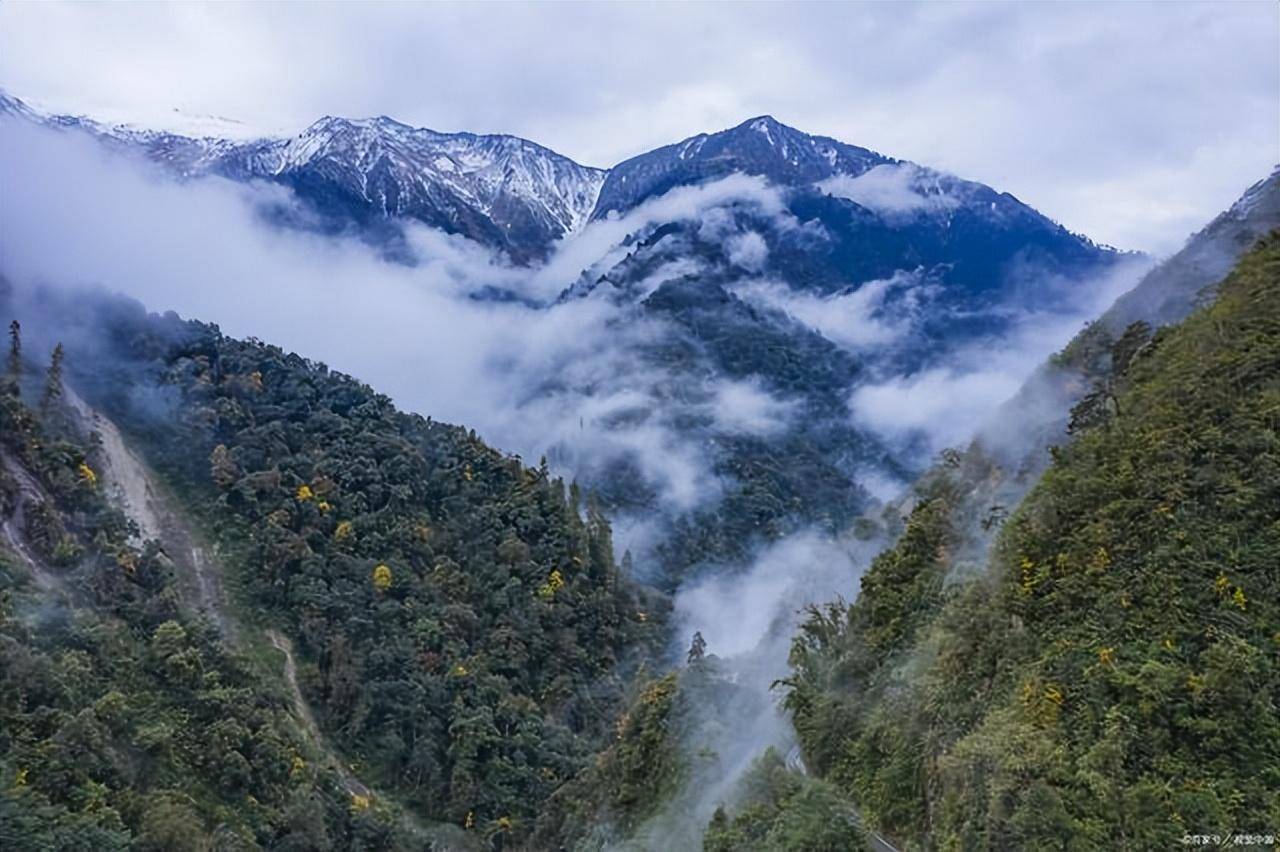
x,y
53,380
697,648
15,351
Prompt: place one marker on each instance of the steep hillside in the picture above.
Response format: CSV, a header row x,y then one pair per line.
x,y
501,191
125,722
461,633
1111,679
1011,451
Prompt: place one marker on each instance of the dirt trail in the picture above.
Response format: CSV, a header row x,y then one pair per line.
x,y
353,785
303,711
125,478
795,762
135,490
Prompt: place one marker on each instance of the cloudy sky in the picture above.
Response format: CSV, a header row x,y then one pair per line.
x,y
1133,123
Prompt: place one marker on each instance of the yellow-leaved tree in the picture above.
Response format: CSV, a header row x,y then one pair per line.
x,y
382,578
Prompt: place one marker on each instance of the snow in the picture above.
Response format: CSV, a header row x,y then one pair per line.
x,y
761,126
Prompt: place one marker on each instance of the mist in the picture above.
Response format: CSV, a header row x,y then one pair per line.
x,y
534,376
944,405
543,374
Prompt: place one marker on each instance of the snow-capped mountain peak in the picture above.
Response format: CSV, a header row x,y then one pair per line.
x,y
503,191
758,146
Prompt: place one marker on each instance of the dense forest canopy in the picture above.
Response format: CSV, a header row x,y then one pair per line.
x,y
463,631
1112,678
478,667
126,723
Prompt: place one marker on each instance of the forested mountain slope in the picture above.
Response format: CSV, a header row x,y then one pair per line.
x,y
125,723
719,309
462,631
1011,451
1111,679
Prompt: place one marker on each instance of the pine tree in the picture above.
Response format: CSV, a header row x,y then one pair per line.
x,y
15,351
53,380
697,648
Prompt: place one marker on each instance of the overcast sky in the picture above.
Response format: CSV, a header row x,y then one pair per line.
x,y
1132,123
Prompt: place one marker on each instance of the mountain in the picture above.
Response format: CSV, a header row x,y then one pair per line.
x,y
228,571
1108,677
878,213
954,259
246,601
1170,293
501,191
868,693
759,146
860,215
1040,413
779,273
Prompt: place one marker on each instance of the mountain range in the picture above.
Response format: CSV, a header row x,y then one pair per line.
x,y
247,602
520,197
761,259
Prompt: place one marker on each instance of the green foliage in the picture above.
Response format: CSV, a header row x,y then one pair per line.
x,y
781,811
629,779
463,632
122,724
1111,681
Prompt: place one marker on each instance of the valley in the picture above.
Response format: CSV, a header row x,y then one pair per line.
x,y
377,487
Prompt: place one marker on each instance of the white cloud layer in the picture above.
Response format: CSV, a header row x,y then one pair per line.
x,y
864,317
945,405
562,380
888,189
1131,122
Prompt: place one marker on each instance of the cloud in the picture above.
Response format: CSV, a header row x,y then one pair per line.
x,y
745,408
783,577
945,405
874,314
564,380
748,251
1130,122
893,190
747,619
600,245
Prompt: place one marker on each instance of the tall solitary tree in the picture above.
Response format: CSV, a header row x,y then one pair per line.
x,y
15,350
697,648
53,380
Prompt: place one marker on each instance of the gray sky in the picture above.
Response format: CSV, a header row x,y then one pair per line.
x,y
1132,123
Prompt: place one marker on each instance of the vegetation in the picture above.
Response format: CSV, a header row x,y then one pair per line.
x,y
629,780
463,633
1111,681
781,811
123,723
466,641
804,475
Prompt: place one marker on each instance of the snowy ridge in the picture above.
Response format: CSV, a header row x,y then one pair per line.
x,y
501,190
759,146
482,172
520,198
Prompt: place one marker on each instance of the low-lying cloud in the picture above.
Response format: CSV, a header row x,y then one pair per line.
x,y
945,404
875,313
891,189
560,380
